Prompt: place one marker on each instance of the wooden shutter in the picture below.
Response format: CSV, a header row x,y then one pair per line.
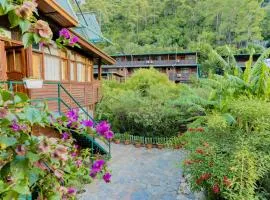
x,y
3,63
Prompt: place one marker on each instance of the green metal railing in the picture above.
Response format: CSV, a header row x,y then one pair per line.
x,y
60,101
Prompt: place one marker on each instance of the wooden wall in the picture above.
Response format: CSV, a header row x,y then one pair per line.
x,y
87,94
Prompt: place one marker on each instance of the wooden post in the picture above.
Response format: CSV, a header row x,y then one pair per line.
x,y
29,62
3,63
99,69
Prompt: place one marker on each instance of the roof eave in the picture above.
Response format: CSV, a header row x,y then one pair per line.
x,y
52,9
105,58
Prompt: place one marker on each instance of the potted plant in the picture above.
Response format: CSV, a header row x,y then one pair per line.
x,y
160,143
126,139
33,83
137,142
116,139
148,143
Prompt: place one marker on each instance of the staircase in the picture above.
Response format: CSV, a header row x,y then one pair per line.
x,y
84,140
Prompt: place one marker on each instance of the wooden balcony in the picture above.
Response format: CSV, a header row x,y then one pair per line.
x,y
155,63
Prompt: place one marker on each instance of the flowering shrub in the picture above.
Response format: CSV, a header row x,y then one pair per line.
x,y
229,154
65,39
42,167
23,14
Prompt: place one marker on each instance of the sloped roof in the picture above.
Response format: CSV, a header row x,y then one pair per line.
x,y
65,4
89,27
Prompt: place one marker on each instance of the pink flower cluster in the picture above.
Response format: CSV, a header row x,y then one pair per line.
x,y
65,35
104,129
98,167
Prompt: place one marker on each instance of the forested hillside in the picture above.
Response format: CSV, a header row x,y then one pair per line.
x,y
163,25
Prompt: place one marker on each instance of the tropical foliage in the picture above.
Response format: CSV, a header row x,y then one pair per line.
x,y
40,167
230,157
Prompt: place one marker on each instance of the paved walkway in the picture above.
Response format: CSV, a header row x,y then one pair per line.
x,y
139,174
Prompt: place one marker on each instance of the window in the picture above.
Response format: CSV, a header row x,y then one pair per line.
x,y
37,65
64,70
80,72
72,70
52,68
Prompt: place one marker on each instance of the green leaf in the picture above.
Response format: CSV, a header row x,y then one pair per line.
x,y
32,157
22,187
14,20
20,98
33,177
37,38
24,25
33,115
7,141
6,96
20,167
28,39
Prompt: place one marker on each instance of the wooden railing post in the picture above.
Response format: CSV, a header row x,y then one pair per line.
x,y
99,69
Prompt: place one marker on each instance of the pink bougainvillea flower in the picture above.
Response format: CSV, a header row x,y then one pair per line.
x,y
44,146
20,150
58,173
98,165
78,163
107,177
216,189
62,189
43,29
41,165
71,191
61,153
15,126
74,154
65,136
74,40
73,115
103,127
93,174
88,123
3,112
109,135
64,33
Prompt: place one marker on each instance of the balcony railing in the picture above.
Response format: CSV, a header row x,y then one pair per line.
x,y
154,63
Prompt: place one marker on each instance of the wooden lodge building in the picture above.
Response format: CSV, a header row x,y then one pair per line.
x,y
72,68
179,67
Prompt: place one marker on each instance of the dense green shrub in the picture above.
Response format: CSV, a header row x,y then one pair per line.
x,y
144,105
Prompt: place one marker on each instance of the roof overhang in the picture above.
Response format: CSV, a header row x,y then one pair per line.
x,y
93,50
51,9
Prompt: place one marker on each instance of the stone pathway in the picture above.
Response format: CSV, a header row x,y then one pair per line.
x,y
140,174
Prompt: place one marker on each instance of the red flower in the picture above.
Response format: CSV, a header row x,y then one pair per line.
x,y
205,176
226,181
216,189
200,129
188,162
191,129
199,181
200,151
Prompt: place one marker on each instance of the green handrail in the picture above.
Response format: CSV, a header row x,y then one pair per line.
x,y
76,102
59,101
